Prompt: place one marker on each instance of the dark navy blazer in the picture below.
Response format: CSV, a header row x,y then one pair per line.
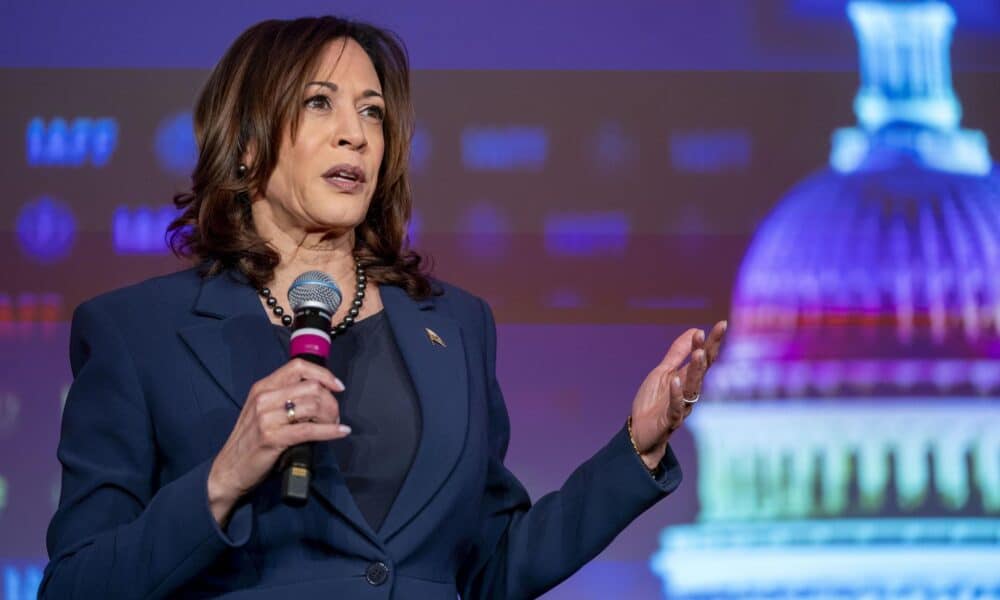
x,y
161,370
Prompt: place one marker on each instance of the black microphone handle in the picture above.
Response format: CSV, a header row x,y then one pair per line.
x,y
296,462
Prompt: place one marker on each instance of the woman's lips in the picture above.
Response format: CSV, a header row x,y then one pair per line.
x,y
347,185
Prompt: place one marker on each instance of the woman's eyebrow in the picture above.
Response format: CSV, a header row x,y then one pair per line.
x,y
333,88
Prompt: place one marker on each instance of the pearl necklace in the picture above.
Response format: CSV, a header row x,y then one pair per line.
x,y
352,314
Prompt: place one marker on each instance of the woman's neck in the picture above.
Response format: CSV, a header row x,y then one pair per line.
x,y
337,262
332,254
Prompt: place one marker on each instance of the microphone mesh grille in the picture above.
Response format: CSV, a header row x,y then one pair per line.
x,y
314,288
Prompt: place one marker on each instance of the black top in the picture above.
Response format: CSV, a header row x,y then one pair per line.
x,y
380,405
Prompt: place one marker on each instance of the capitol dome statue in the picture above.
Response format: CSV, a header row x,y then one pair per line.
x,y
850,442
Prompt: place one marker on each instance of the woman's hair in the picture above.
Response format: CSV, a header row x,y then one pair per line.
x,y
251,95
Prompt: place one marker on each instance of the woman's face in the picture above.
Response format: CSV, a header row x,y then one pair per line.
x,y
324,180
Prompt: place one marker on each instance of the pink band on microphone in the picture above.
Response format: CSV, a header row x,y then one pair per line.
x,y
310,341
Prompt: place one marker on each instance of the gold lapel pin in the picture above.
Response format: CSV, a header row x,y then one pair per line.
x,y
435,338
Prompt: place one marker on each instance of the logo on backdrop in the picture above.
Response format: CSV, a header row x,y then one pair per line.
x,y
46,229
142,230
62,143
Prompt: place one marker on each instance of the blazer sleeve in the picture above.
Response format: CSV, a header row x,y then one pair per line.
x,y
523,549
116,532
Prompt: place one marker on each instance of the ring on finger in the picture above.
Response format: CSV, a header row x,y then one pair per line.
x,y
687,400
290,412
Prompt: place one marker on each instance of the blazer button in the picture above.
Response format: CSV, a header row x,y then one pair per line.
x,y
377,573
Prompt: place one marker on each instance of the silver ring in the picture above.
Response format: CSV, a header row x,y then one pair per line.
x,y
696,398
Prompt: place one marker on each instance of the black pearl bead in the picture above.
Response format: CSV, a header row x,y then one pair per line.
x,y
341,327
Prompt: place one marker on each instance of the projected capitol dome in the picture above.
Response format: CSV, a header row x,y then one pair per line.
x,y
851,444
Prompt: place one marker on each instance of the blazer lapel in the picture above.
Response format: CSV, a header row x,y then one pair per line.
x,y
439,375
236,344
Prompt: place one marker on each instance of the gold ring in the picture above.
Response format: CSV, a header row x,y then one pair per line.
x,y
290,412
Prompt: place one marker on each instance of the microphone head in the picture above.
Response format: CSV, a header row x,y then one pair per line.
x,y
314,289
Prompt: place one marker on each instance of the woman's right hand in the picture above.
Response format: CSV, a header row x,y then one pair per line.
x,y
263,430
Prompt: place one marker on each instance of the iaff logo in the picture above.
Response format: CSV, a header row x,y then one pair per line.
x,y
71,144
142,230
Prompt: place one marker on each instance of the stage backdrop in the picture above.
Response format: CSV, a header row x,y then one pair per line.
x,y
605,175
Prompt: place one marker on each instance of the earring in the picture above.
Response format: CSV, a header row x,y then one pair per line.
x,y
241,171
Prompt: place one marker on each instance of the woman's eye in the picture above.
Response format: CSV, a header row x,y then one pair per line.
x,y
375,112
319,101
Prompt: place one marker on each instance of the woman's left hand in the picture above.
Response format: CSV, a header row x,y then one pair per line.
x,y
659,407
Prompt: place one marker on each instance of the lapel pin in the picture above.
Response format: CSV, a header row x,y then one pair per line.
x,y
435,338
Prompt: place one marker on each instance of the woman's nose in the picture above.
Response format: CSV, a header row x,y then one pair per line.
x,y
350,131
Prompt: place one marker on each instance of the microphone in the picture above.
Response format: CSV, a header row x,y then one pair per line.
x,y
314,298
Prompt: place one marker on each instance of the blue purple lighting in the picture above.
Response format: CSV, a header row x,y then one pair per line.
x,y
905,72
414,229
70,144
587,234
863,313
711,151
826,9
565,299
604,579
176,148
940,560
141,230
612,150
10,411
484,231
906,101
420,150
515,148
669,302
46,229
974,14
21,581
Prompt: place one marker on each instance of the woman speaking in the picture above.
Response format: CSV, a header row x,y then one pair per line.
x,y
184,400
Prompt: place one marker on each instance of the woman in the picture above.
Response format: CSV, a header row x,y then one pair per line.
x,y
183,398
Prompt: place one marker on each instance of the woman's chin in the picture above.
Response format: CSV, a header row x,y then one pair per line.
x,y
333,227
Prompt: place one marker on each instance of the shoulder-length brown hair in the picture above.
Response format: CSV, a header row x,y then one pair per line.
x,y
251,95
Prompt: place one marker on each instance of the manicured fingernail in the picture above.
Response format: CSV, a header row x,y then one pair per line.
x,y
725,325
340,384
344,429
677,382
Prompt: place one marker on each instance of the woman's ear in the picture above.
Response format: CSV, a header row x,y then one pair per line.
x,y
246,161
